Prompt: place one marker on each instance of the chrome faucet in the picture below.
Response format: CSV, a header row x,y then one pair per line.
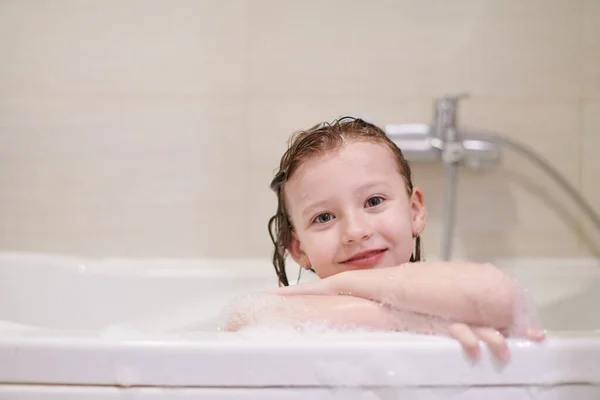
x,y
443,141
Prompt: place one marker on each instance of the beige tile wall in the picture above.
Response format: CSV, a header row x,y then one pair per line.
x,y
152,128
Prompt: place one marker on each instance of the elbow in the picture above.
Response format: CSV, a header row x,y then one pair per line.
x,y
234,325
233,322
506,296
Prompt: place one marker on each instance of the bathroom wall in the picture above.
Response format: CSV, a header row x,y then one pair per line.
x,y
152,128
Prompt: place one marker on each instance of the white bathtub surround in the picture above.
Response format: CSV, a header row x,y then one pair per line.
x,y
80,328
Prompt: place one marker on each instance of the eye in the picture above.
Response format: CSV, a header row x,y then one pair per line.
x,y
374,201
323,218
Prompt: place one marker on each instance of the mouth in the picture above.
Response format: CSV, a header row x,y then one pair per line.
x,y
365,256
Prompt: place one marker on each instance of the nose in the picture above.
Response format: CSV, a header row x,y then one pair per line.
x,y
355,229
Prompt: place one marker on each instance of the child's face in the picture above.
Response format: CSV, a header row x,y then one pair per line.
x,y
350,210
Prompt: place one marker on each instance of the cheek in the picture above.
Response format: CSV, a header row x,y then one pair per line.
x,y
402,243
321,252
397,230
397,224
320,247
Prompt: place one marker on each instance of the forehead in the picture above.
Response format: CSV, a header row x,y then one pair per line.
x,y
353,164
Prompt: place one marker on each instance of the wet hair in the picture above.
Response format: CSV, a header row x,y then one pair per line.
x,y
313,142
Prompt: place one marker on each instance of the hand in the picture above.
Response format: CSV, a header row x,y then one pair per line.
x,y
469,337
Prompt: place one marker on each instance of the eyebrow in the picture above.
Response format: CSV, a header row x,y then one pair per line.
x,y
308,210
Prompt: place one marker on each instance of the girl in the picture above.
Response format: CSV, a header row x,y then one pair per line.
x,y
348,211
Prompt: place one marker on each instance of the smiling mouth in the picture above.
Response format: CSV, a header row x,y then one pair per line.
x,y
364,255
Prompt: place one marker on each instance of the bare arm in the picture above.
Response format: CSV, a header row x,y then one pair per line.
x,y
328,311
349,311
474,294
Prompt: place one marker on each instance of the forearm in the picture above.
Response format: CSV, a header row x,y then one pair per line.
x,y
327,311
330,311
477,294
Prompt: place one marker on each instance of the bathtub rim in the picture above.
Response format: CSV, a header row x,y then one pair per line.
x,y
228,360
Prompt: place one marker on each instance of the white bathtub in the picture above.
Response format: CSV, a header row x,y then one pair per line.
x,y
81,329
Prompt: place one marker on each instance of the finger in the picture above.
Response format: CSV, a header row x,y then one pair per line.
x,y
467,338
535,334
495,340
530,333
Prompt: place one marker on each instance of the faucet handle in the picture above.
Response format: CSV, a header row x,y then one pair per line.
x,y
445,115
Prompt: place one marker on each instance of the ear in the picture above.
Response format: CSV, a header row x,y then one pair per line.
x,y
418,212
297,253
